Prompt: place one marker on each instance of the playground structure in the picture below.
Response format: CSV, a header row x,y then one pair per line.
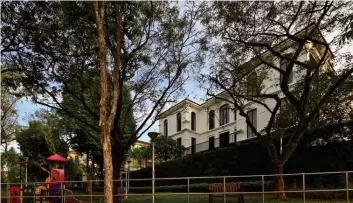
x,y
52,191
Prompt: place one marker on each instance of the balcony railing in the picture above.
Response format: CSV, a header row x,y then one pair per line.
x,y
222,141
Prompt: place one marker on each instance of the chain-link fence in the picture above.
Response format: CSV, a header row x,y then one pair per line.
x,y
301,187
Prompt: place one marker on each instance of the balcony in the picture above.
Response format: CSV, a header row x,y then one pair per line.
x,y
224,140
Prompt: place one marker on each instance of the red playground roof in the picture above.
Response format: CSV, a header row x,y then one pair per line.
x,y
57,158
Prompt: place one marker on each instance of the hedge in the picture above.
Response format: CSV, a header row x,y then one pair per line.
x,y
253,159
255,186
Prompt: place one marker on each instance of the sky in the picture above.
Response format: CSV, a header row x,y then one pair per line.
x,y
25,107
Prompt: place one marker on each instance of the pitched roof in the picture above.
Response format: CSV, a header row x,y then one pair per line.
x,y
57,158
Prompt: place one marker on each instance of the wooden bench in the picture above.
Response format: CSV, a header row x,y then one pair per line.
x,y
229,188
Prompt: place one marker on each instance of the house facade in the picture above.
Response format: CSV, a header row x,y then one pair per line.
x,y
216,123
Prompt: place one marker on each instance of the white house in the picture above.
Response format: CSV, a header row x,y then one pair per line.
x,y
212,124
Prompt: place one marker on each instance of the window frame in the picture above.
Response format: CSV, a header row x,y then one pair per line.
x,y
251,114
224,115
211,120
165,127
193,121
178,116
285,62
250,89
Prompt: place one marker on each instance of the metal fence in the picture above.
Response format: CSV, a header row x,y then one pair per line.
x,y
299,187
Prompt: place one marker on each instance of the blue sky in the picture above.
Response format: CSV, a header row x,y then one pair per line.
x,y
25,107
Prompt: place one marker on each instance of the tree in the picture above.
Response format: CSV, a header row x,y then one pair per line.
x,y
9,115
168,149
39,141
10,166
255,30
147,46
140,154
74,170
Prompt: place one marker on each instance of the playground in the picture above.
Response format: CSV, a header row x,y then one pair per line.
x,y
52,190
223,189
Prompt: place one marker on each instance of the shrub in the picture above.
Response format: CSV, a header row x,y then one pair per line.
x,y
202,187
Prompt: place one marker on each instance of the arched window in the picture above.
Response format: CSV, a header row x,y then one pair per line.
x,y
178,122
252,83
211,119
166,127
284,65
193,121
224,115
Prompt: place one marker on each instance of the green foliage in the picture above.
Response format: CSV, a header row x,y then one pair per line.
x,y
252,159
41,139
9,114
74,170
166,148
10,167
203,187
140,154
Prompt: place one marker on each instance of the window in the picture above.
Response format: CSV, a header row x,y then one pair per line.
x,y
193,121
193,145
224,115
252,115
235,114
211,119
283,65
166,127
211,142
178,122
252,83
224,139
179,142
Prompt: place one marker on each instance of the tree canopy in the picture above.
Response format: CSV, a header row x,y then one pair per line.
x,y
256,39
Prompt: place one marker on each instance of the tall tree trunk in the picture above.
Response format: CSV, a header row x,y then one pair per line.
x,y
278,170
118,160
108,167
279,182
105,121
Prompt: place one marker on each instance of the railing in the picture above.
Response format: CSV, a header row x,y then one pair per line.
x,y
216,143
299,187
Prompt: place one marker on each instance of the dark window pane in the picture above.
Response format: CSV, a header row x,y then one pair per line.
x,y
193,121
211,120
211,142
252,115
224,115
166,127
178,122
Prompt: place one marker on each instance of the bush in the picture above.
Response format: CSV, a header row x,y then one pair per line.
x,y
252,159
202,187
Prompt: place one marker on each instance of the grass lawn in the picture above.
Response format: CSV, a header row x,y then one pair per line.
x,y
181,198
204,198
177,198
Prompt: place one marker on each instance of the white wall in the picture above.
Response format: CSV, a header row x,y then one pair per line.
x,y
202,134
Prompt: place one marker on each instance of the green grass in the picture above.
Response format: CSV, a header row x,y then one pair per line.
x,y
204,198
181,198
177,198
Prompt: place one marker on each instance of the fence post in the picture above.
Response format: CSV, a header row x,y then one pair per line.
x,y
303,187
224,189
188,190
8,192
263,188
347,187
62,192
91,191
